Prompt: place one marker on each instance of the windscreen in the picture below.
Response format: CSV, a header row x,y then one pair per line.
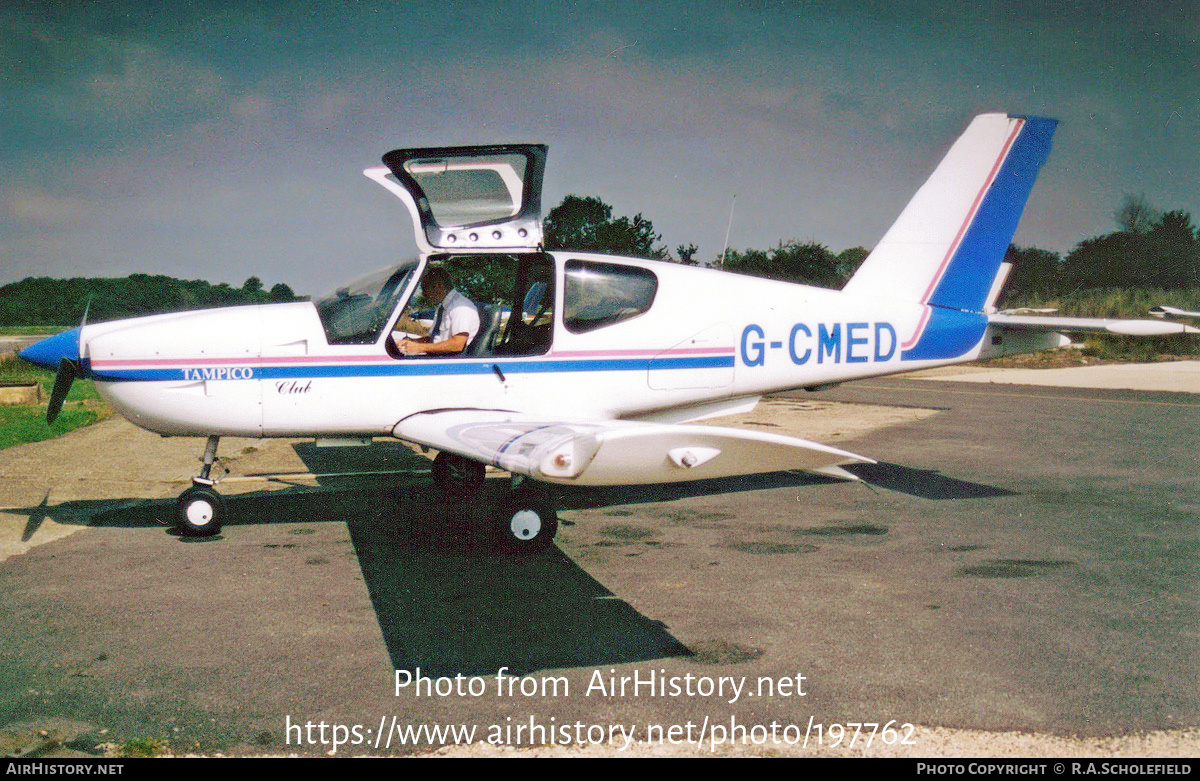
x,y
358,312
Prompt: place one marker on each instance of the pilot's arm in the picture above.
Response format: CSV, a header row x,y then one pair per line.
x,y
452,346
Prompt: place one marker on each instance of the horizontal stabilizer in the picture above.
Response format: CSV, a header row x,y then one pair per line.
x,y
1091,325
614,452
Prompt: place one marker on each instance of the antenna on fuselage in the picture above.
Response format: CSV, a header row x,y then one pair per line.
x,y
728,227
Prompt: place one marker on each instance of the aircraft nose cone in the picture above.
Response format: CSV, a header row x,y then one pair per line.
x,y
50,351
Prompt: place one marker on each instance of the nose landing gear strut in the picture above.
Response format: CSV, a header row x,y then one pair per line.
x,y
200,510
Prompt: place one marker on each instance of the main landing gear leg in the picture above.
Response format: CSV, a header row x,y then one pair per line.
x,y
460,479
200,510
524,520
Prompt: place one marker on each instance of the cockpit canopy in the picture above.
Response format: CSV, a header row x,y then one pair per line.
x,y
476,210
474,197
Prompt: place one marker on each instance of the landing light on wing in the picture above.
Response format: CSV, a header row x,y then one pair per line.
x,y
688,457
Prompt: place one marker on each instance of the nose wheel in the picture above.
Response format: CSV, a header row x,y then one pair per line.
x,y
200,511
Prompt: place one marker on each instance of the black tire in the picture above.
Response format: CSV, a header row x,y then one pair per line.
x,y
457,477
200,511
526,522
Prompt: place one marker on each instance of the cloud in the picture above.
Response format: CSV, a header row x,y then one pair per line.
x,y
43,208
233,123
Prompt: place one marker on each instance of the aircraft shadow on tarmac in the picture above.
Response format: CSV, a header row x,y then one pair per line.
x,y
445,599
448,603
922,483
341,497
925,483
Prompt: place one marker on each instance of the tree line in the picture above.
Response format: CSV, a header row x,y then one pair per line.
x,y
61,302
588,224
1149,249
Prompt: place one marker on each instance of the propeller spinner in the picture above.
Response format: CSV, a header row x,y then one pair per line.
x,y
60,352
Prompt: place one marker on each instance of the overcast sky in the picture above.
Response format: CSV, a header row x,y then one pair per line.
x,y
223,140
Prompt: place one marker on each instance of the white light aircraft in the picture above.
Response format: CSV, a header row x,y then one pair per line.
x,y
588,369
1164,310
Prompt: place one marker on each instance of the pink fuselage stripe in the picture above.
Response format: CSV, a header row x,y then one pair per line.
x,y
250,359
636,353
336,359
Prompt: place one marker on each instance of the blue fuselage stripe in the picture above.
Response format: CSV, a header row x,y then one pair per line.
x,y
948,334
414,368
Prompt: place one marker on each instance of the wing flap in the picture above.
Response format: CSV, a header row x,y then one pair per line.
x,y
616,452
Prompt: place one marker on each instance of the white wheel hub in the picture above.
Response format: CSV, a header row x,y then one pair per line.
x,y
525,524
199,512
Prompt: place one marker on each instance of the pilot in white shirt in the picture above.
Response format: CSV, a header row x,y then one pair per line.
x,y
455,322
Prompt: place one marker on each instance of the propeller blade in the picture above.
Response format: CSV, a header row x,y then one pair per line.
x,y
67,372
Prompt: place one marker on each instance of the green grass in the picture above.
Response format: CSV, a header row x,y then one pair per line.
x,y
1131,304
142,748
22,423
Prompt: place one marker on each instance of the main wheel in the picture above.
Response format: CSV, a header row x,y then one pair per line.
x,y
201,511
526,522
457,477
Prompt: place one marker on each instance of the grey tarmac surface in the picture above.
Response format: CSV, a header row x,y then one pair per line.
x,y
1025,560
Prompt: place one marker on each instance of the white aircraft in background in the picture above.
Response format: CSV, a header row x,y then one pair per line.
x,y
1163,311
587,367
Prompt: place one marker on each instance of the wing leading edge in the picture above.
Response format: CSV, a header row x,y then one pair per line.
x,y
616,452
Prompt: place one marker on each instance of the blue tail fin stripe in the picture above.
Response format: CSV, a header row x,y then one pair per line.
x,y
974,210
954,324
968,277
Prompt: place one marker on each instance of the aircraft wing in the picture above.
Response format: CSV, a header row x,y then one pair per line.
x,y
1090,325
616,452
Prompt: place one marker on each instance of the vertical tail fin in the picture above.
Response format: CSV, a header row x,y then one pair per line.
x,y
947,245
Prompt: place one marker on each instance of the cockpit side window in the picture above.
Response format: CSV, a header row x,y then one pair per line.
x,y
597,294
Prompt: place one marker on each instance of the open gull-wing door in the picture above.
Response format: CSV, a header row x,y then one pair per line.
x,y
469,197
